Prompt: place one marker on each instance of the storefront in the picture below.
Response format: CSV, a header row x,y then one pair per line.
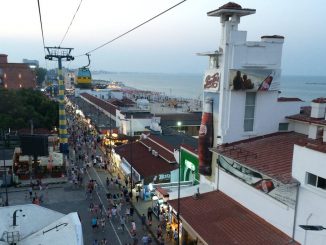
x,y
159,201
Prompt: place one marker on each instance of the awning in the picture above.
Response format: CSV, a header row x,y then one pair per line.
x,y
125,168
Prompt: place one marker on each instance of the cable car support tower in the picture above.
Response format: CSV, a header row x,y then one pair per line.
x,y
60,54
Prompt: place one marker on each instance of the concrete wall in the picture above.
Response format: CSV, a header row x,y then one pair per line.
x,y
274,212
312,200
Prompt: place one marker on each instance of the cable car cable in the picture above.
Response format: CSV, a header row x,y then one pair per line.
x,y
70,23
40,15
136,27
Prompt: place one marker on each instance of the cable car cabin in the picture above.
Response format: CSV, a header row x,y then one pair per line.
x,y
84,78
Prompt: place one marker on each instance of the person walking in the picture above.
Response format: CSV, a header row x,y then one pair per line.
x,y
133,227
145,239
103,223
143,221
122,223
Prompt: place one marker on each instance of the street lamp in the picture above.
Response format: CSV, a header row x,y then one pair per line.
x,y
179,125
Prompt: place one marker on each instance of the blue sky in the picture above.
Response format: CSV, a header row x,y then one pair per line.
x,y
167,44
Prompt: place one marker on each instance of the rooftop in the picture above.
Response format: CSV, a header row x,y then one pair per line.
x,y
220,220
304,116
186,119
41,231
145,163
101,103
269,154
173,139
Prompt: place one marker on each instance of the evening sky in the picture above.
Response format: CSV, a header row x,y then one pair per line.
x,y
169,43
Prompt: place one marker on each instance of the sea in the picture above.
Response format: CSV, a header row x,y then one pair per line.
x,y
184,85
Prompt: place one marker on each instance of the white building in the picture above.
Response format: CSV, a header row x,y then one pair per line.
x,y
19,226
267,156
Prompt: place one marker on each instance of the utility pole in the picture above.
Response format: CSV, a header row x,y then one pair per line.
x,y
131,137
5,168
58,53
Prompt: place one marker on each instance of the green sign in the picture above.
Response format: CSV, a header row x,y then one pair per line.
x,y
189,166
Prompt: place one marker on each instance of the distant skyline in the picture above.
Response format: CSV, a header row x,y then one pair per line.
x,y
169,43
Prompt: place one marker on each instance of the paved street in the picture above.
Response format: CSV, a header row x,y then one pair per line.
x,y
66,198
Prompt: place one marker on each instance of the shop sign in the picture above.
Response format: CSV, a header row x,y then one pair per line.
x,y
162,178
212,80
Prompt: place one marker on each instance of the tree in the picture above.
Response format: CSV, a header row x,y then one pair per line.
x,y
40,75
18,107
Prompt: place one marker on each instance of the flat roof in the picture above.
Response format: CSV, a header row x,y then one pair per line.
x,y
218,219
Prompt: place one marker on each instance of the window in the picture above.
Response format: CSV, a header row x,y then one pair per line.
x,y
316,181
249,112
283,126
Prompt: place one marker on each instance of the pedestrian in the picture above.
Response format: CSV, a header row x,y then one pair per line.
x,y
133,227
175,235
30,190
143,221
127,213
94,223
134,239
104,242
91,207
131,212
95,242
102,223
145,240
159,232
122,223
137,196
149,214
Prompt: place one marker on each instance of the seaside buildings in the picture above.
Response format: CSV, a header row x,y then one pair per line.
x,y
263,151
16,75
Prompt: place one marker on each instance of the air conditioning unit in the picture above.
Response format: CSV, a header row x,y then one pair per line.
x,y
153,152
149,149
156,154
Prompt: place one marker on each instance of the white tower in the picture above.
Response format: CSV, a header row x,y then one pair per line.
x,y
242,103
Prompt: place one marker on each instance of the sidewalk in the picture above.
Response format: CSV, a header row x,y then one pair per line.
x,y
141,208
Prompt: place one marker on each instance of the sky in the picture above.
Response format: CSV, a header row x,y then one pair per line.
x,y
167,44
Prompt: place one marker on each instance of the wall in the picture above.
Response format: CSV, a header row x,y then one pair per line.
x,y
299,127
274,212
312,200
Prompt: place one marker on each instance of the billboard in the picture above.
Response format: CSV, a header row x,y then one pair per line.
x,y
279,191
34,145
212,80
254,79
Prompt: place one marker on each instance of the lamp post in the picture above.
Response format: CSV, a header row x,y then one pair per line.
x,y
5,168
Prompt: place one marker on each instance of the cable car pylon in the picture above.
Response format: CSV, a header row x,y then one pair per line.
x,y
60,54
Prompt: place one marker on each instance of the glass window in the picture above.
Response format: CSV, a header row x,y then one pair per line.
x,y
283,126
311,179
321,183
249,112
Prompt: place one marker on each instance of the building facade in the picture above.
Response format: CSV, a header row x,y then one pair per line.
x,y
16,75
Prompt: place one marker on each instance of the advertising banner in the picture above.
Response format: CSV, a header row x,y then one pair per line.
x,y
281,192
205,139
212,80
254,79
